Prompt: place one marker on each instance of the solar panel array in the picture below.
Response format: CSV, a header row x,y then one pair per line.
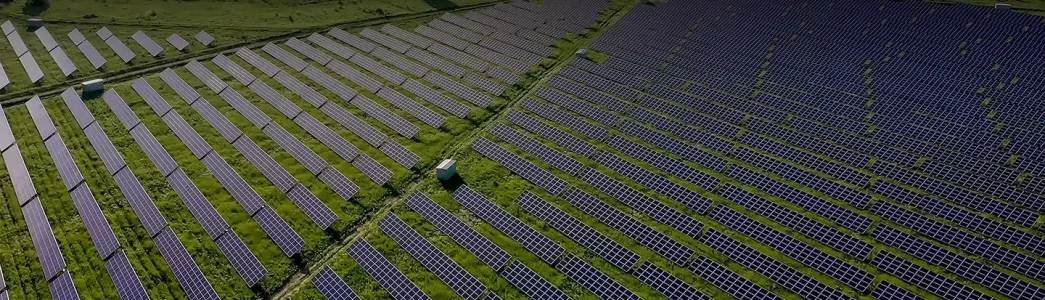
x,y
331,285
146,42
577,231
545,248
488,252
465,285
390,278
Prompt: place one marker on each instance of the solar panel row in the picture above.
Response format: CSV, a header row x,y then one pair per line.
x,y
517,165
360,79
464,284
386,117
257,61
550,156
540,245
282,55
399,62
577,231
390,278
177,41
458,89
308,51
234,69
442,37
384,40
351,40
421,112
332,46
484,83
487,252
146,42
456,31
406,36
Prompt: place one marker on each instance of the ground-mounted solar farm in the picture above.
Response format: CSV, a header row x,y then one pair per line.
x,y
555,149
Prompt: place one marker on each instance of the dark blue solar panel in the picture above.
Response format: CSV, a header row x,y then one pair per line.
x,y
124,277
94,219
384,272
488,252
279,231
185,269
466,285
246,264
47,251
331,286
198,205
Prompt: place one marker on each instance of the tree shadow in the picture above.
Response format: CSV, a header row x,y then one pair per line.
x,y
36,9
441,4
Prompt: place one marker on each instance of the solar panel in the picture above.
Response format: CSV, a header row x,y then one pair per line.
x,y
378,69
152,148
245,108
650,238
487,252
517,165
406,36
303,91
331,84
399,62
281,55
459,57
51,260
4,80
204,38
666,283
392,120
315,209
556,135
123,276
62,288
373,169
400,154
309,159
502,75
435,62
464,284
346,119
78,109
530,283
577,231
390,278
140,201
17,44
331,286
121,49
536,37
151,97
269,168
185,269
550,156
39,115
660,184
800,251
177,41
234,69
351,40
487,20
46,38
570,121
180,87
8,27
279,231
104,33
198,205
413,108
7,138
524,44
258,62
20,178
509,51
432,96
64,161
246,264
31,68
360,79
105,148
337,182
636,200
92,54
101,233
458,89
442,37
540,245
216,120
489,55
384,40
332,46
780,273
579,107
240,190
308,51
76,36
212,81
591,95
468,24
146,42
63,61
724,278
485,84
594,280
456,31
